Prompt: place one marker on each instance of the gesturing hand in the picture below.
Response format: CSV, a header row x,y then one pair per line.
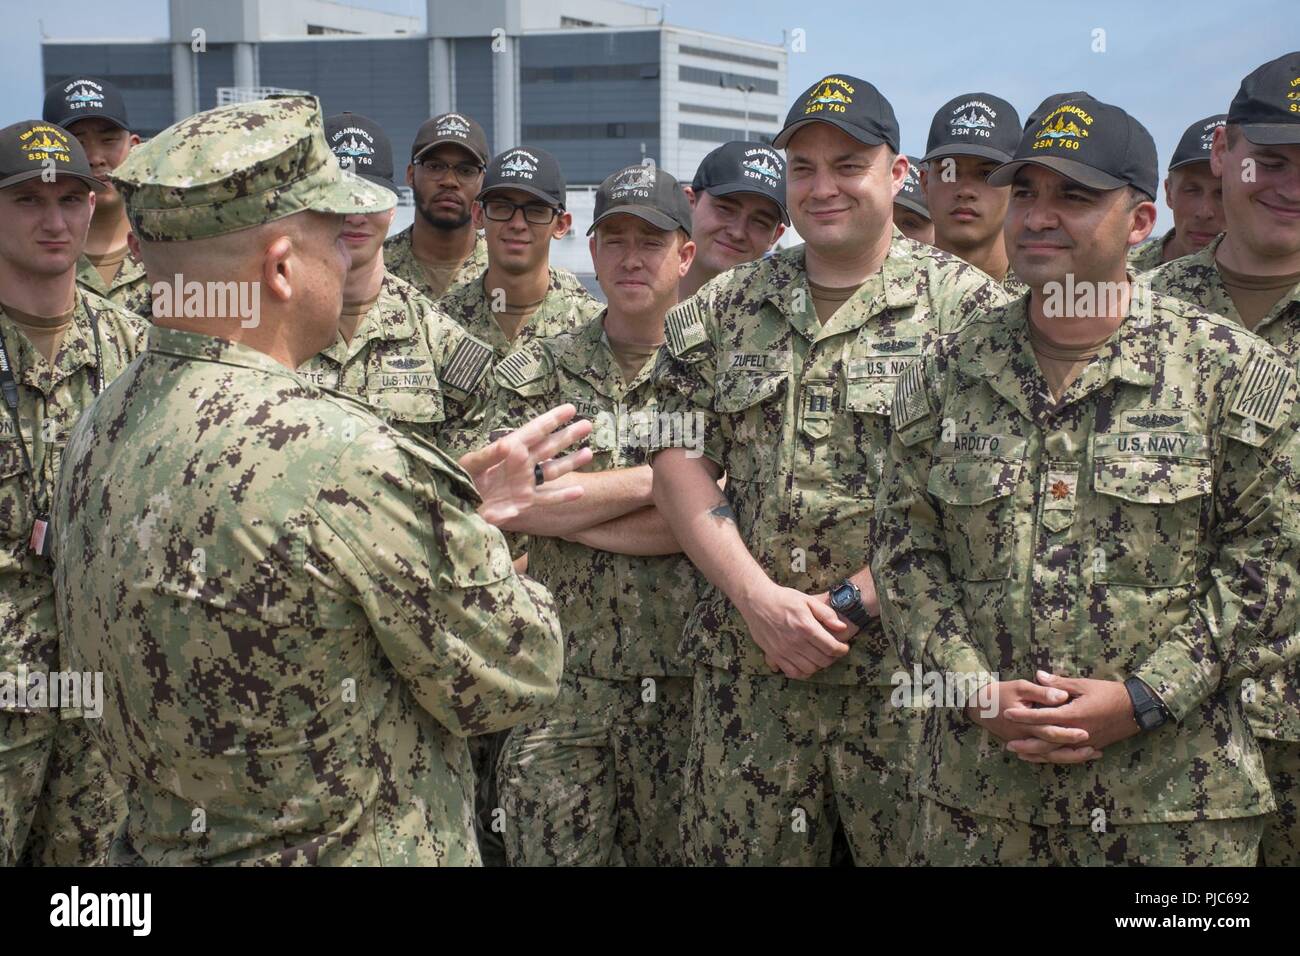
x,y
503,471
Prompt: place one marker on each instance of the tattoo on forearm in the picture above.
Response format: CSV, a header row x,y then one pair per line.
x,y
723,510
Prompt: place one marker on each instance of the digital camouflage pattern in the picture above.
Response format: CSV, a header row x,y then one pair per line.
x,y
1147,255
1274,707
567,307
130,289
622,617
597,779
57,804
1141,526
1012,286
774,764
797,415
946,836
239,166
298,612
399,259
415,367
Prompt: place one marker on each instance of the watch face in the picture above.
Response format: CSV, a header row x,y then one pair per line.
x,y
841,596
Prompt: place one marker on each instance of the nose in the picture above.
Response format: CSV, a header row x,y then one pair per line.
x,y
1041,216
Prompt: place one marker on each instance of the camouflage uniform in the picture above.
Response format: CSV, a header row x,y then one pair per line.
x,y
1141,526
130,289
567,307
1275,710
598,778
414,366
1147,255
298,612
796,414
58,804
1013,286
399,259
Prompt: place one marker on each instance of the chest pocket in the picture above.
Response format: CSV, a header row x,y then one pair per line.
x,y
752,405
418,406
978,496
1148,519
15,509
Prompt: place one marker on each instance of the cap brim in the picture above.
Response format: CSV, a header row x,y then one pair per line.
x,y
912,204
68,121
1272,134
380,181
963,149
1069,168
1188,162
531,190
354,195
29,174
730,189
449,141
653,216
861,135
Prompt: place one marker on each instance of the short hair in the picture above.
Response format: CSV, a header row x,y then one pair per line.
x,y
1233,132
1136,197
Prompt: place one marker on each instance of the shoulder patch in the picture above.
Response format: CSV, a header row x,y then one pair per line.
x,y
910,401
684,327
1262,390
467,364
520,368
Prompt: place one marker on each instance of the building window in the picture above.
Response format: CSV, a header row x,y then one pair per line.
x,y
594,73
541,131
723,111
720,134
694,74
729,57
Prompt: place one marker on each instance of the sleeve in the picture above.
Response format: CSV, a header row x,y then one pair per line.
x,y
920,600
1244,622
479,646
684,378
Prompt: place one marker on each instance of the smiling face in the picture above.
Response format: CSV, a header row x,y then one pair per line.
x,y
1057,227
106,145
639,266
45,225
1195,195
967,212
732,229
840,193
517,246
1261,193
364,236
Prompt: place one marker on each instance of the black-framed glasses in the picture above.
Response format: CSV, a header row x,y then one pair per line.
x,y
465,172
503,210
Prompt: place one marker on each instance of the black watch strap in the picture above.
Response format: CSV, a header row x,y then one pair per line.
x,y
1148,711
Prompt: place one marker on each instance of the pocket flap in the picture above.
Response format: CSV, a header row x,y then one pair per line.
x,y
875,396
419,406
1152,481
738,392
974,481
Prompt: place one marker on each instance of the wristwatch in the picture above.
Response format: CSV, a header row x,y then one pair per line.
x,y
1148,711
846,600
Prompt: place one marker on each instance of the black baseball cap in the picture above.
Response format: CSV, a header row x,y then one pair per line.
x,y
25,147
741,167
83,97
646,192
974,124
454,128
911,194
1194,147
1267,107
362,146
528,169
1093,143
845,102
1052,102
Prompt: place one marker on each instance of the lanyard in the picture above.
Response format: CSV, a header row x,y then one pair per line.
x,y
9,386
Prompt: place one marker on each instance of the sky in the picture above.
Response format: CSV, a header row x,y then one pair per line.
x,y
1167,62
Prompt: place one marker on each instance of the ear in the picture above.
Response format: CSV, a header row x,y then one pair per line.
x,y
410,174
690,195
1169,192
899,171
1219,151
1144,219
133,244
686,252
923,174
133,140
278,269
90,199
476,215
560,228
591,245
776,236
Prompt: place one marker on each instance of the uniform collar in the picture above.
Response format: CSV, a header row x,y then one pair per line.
x,y
207,348
587,354
1218,300
472,300
130,270
76,351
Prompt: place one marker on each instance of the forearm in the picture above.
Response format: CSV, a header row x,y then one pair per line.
x,y
704,524
643,532
606,495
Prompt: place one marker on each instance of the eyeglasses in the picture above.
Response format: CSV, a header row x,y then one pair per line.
x,y
502,210
465,172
